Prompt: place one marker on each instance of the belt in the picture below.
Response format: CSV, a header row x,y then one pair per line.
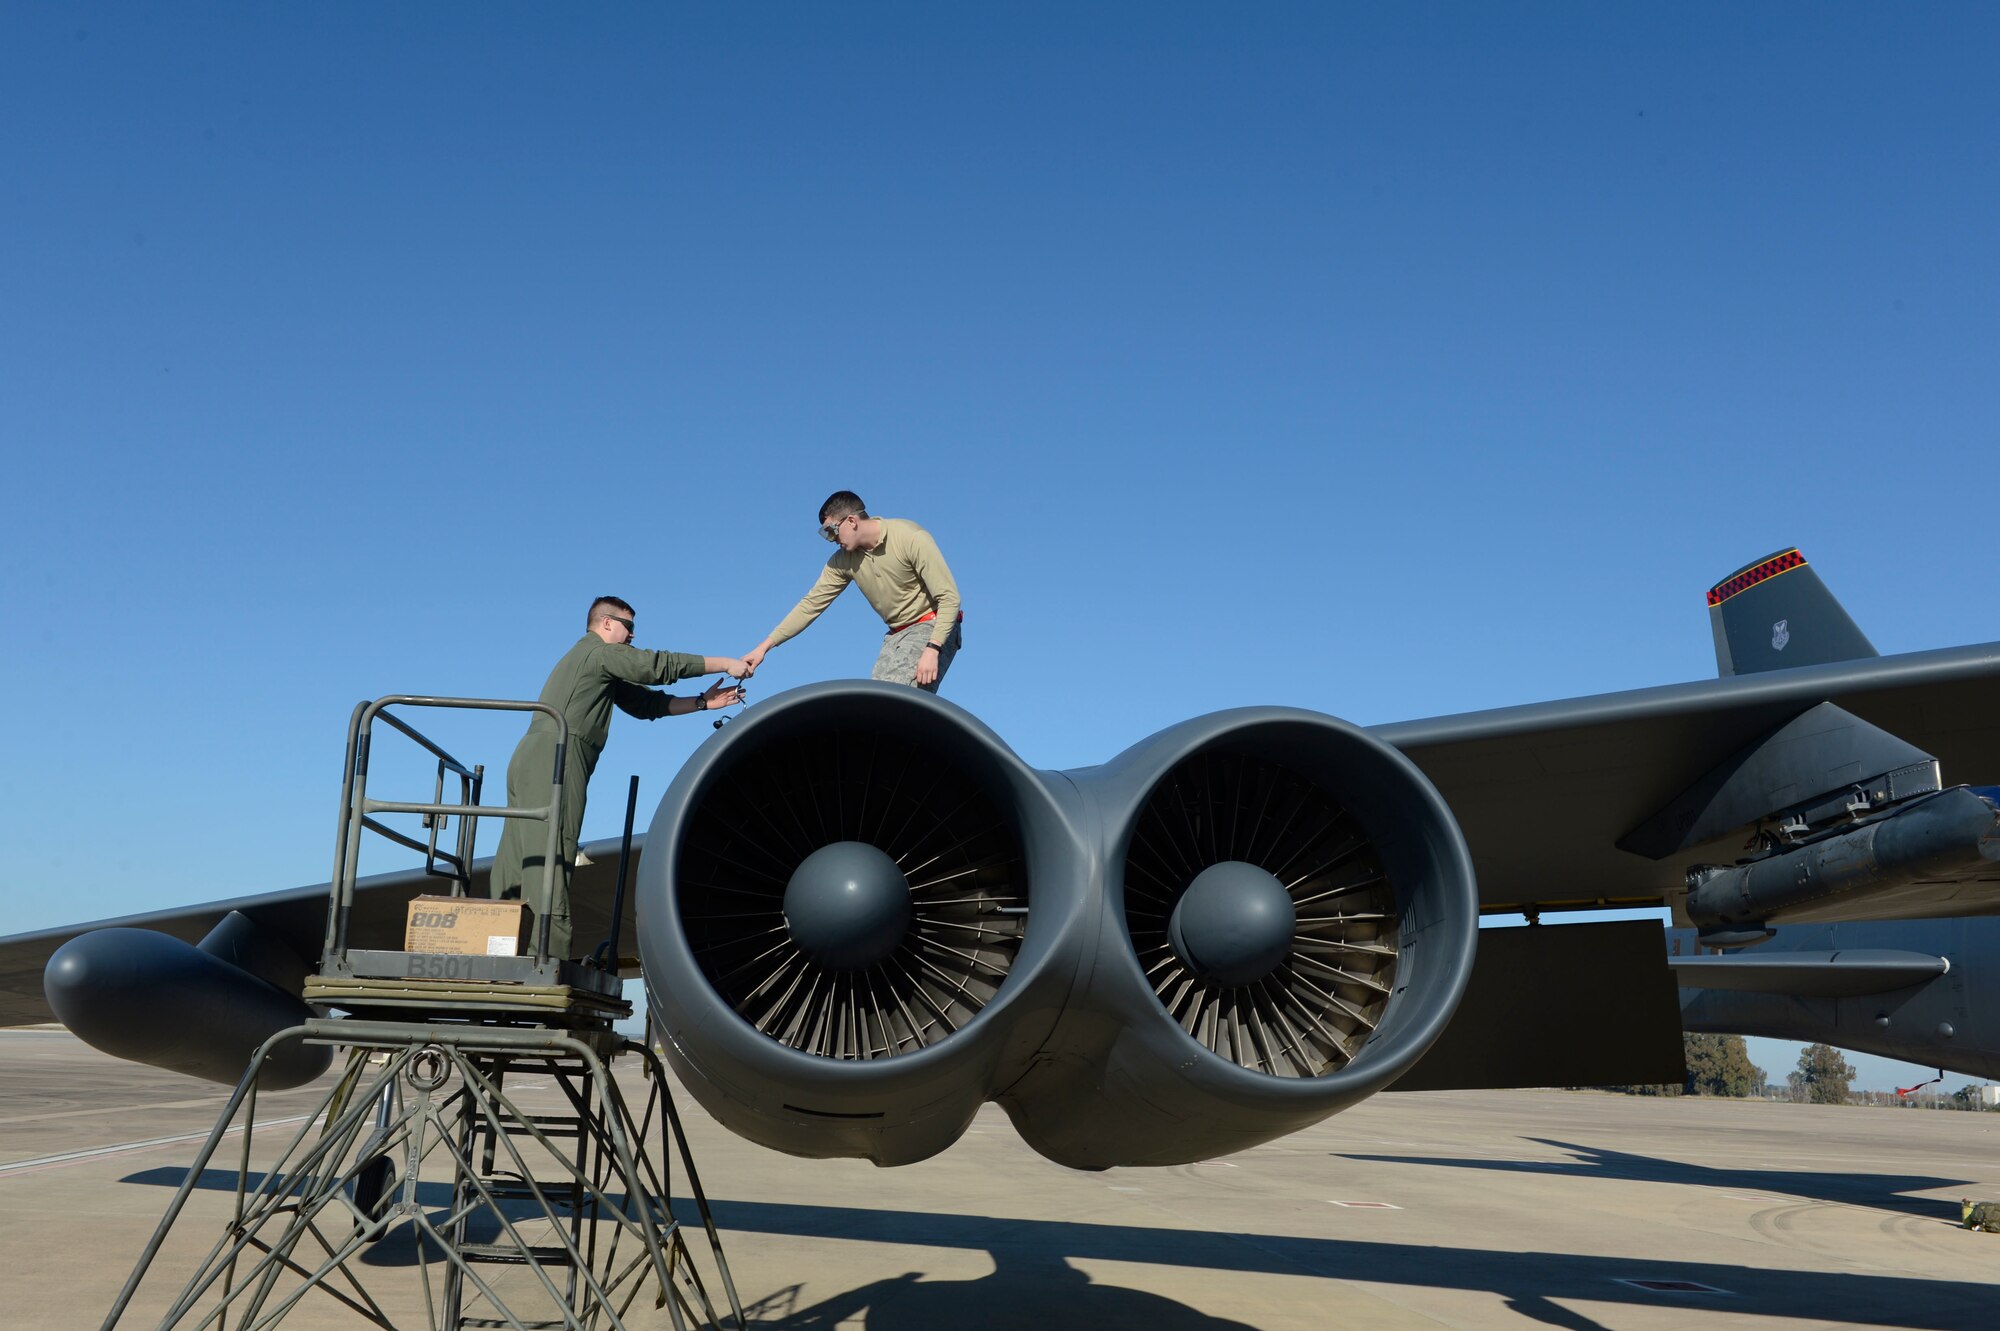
x,y
924,619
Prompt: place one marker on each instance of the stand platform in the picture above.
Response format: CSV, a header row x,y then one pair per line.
x,y
423,999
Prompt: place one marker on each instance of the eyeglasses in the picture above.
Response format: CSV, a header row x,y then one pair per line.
x,y
631,629
831,530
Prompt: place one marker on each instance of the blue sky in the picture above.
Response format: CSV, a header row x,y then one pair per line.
x,y
1392,362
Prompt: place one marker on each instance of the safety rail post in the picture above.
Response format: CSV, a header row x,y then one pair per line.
x,y
611,944
336,910
468,827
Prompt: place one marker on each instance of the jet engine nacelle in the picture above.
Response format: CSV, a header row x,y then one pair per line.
x,y
862,917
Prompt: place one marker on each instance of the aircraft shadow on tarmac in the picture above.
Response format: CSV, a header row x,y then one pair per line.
x,y
1034,1285
1881,1191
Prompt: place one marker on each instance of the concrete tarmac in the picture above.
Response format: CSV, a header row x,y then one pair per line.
x,y
1473,1210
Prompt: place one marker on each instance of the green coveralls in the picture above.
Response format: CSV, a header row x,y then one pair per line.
x,y
592,677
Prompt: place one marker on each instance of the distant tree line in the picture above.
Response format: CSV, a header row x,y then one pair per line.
x,y
1719,1065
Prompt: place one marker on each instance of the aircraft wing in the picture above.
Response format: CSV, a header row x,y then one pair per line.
x,y
1544,792
299,915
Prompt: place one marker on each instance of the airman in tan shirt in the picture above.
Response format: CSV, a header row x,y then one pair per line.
x,y
902,573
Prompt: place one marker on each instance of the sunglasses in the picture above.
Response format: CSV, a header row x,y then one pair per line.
x,y
831,530
631,629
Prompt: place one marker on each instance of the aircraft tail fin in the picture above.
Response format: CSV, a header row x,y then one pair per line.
x,y
1776,613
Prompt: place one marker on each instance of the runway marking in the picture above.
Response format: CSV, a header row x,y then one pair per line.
x,y
12,1168
1365,1206
1756,1197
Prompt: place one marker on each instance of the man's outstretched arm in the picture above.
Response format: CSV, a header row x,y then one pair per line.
x,y
832,582
651,704
637,665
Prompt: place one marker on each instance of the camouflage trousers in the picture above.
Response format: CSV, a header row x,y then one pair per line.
x,y
897,663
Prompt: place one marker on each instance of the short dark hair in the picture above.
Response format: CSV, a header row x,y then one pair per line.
x,y
603,606
840,504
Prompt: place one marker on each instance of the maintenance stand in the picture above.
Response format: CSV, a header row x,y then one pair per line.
x,y
474,1137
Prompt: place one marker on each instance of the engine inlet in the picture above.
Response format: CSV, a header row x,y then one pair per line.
x,y
1261,914
850,894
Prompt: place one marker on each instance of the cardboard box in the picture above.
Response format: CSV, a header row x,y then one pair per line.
x,y
465,927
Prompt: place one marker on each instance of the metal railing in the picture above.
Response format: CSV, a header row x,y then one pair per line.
x,y
357,808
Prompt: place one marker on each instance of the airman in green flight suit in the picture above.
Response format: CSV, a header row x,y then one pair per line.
x,y
602,671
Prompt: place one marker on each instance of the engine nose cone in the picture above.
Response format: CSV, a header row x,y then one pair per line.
x,y
847,905
1233,924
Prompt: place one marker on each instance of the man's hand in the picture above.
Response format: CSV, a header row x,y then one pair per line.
x,y
927,663
736,669
715,695
752,660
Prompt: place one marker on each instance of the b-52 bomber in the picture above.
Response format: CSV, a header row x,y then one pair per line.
x,y
1236,927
